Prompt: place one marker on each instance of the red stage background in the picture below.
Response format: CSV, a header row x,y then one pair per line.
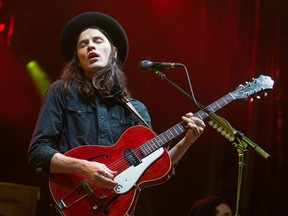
x,y
223,43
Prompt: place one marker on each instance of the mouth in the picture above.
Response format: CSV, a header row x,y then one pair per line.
x,y
93,57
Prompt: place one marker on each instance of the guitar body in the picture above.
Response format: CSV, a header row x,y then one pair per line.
x,y
74,195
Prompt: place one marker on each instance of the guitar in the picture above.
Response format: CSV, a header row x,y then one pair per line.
x,y
139,159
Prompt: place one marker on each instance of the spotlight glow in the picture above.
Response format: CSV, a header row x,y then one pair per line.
x,y
39,77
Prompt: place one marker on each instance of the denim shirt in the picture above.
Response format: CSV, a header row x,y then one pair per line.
x,y
65,123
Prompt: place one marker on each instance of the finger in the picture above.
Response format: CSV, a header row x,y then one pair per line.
x,y
105,174
195,120
190,114
109,174
105,182
107,169
193,127
189,120
197,130
110,184
198,122
107,179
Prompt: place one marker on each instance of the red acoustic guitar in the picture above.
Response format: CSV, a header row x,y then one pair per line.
x,y
139,159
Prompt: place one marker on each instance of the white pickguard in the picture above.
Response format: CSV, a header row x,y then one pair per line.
x,y
128,178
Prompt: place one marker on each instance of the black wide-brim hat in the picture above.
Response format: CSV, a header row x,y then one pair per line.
x,y
77,24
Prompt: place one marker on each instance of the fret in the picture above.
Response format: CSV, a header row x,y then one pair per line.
x,y
155,144
162,137
144,150
170,133
150,148
174,131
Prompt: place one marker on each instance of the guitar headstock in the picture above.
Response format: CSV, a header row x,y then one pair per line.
x,y
261,84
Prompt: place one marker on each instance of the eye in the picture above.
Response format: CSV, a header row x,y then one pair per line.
x,y
98,40
82,44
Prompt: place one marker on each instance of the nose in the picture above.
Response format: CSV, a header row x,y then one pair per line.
x,y
91,46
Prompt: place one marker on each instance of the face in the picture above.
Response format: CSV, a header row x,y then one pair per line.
x,y
93,51
223,210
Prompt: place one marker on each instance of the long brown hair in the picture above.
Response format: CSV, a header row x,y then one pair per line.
x,y
108,81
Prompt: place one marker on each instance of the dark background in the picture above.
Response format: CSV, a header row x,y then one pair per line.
x,y
223,43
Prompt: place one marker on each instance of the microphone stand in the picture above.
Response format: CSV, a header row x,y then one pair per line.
x,y
230,133
243,143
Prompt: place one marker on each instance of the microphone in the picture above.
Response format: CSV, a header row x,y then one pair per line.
x,y
147,65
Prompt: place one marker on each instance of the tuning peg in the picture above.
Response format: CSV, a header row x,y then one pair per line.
x,y
223,133
251,99
219,129
265,94
258,97
232,138
227,136
211,123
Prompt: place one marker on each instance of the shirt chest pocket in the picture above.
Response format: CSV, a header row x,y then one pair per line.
x,y
79,110
120,119
80,119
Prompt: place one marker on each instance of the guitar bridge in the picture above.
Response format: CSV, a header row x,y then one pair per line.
x,y
70,198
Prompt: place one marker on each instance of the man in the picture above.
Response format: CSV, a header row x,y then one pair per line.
x,y
91,104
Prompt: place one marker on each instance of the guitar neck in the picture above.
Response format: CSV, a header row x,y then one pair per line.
x,y
223,101
180,128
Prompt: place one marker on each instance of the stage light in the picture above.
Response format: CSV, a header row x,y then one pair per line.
x,y
39,77
2,27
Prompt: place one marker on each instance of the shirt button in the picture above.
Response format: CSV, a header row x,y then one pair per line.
x,y
102,135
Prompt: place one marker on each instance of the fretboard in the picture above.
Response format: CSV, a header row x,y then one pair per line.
x,y
180,128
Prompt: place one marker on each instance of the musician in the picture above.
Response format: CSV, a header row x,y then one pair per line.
x,y
87,105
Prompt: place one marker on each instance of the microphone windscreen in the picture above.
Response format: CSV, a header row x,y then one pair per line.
x,y
145,65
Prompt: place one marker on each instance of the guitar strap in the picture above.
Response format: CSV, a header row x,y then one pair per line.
x,y
130,106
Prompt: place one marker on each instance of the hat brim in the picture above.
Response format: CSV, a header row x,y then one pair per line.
x,y
72,29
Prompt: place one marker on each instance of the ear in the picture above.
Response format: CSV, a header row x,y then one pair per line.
x,y
115,53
